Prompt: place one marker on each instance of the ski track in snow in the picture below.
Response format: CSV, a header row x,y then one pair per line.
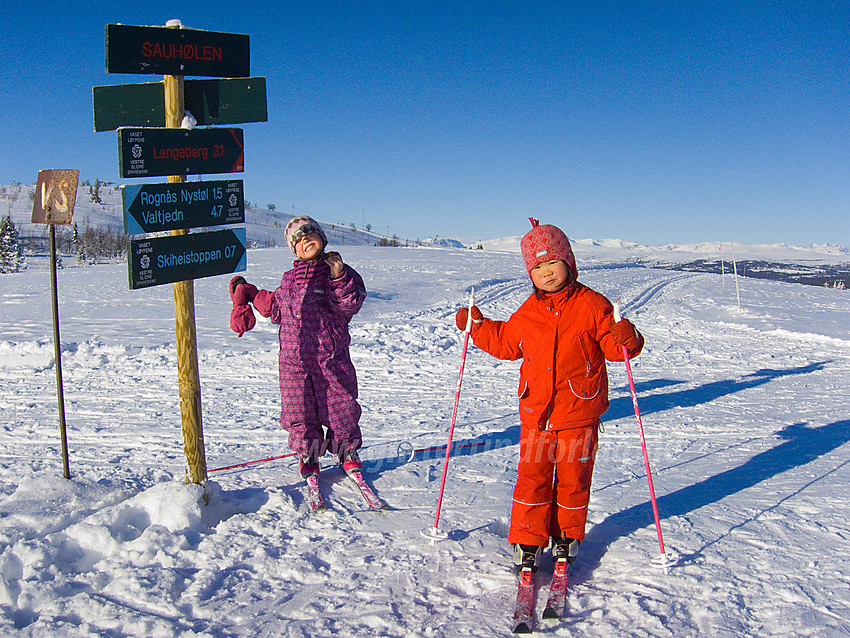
x,y
745,415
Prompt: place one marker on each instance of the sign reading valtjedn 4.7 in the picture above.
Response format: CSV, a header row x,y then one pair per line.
x,y
153,208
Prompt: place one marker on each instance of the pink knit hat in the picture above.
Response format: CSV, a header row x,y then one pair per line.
x,y
546,243
300,226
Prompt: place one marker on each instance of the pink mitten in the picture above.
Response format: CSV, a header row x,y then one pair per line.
x,y
242,319
241,292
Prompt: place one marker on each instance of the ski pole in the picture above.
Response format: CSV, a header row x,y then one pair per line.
x,y
666,559
247,463
434,532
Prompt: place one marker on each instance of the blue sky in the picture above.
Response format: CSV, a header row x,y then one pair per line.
x,y
657,122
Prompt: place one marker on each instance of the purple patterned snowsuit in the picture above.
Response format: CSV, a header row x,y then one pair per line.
x,y
318,383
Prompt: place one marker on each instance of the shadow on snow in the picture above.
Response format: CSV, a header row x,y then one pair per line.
x,y
801,445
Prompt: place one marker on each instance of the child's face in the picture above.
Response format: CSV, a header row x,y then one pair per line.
x,y
309,247
550,276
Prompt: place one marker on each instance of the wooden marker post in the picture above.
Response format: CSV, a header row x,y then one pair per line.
x,y
53,203
184,316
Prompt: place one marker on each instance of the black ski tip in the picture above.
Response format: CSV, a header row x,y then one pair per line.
x,y
522,628
549,613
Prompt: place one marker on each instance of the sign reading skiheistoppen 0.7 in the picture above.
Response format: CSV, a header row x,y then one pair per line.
x,y
151,152
164,260
151,208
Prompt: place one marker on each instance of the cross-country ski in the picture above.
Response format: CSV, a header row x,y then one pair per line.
x,y
368,494
523,619
314,494
557,590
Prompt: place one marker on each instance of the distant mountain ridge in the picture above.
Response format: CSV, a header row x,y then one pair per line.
x,y
265,228
678,253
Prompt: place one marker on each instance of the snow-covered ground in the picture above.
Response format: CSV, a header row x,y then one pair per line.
x,y
745,412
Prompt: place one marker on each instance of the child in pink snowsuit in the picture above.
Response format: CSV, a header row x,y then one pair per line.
x,y
313,306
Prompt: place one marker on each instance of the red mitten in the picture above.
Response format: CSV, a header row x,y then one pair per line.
x,y
263,301
625,334
241,292
242,319
462,317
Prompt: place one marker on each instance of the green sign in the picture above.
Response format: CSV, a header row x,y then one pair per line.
x,y
151,208
168,51
211,102
148,152
164,260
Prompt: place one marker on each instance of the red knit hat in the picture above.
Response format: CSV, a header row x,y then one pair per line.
x,y
546,243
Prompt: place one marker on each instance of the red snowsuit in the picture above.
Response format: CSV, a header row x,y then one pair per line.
x,y
563,339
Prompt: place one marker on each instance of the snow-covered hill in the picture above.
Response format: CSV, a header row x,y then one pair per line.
x,y
264,225
745,413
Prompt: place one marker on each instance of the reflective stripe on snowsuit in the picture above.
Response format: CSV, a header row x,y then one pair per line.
x,y
543,506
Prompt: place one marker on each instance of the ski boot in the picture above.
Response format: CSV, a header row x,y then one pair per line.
x,y
350,461
308,466
527,556
565,548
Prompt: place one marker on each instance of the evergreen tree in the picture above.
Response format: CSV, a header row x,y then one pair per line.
x,y
11,252
78,247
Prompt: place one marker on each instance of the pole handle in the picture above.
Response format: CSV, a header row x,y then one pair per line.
x,y
469,313
617,316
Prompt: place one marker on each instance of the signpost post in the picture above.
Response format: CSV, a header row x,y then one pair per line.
x,y
189,380
175,152
55,196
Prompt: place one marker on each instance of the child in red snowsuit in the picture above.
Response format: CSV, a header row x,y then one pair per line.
x,y
563,332
313,306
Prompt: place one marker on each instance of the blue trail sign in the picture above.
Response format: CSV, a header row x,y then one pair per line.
x,y
154,261
151,208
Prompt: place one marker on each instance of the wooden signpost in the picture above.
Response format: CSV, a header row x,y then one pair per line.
x,y
145,150
53,203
